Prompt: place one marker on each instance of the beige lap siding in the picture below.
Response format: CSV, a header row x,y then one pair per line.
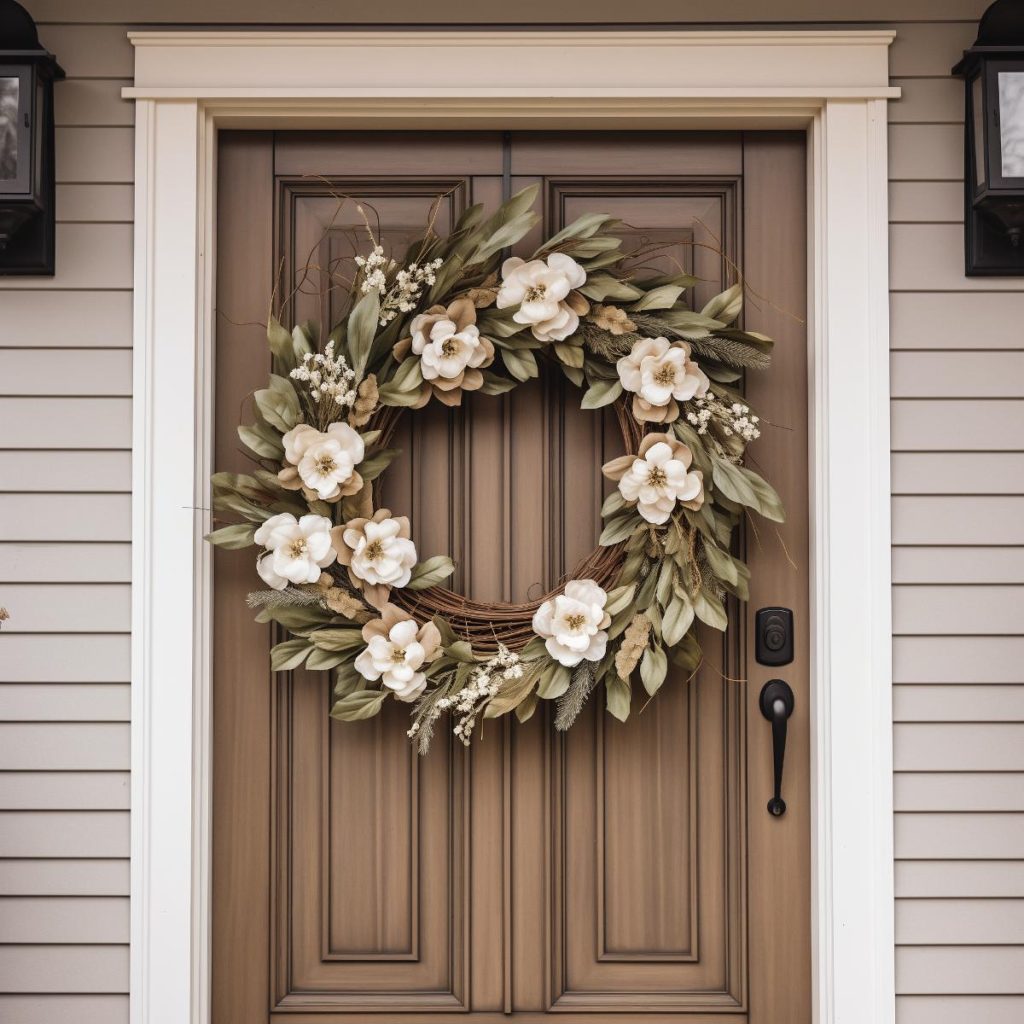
x,y
958,518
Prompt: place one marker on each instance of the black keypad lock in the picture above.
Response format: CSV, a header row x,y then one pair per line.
x,y
773,628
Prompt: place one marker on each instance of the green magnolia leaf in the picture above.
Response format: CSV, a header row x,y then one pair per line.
x,y
653,667
408,376
390,395
281,347
747,488
524,711
710,611
448,636
725,306
521,364
233,537
677,619
614,503
619,528
495,385
358,705
574,373
362,325
554,681
664,297
262,441
431,572
583,227
617,695
371,468
619,599
498,324
602,392
290,654
321,661
571,355
336,639
278,404
603,286
461,651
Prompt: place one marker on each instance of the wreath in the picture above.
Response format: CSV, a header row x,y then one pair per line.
x,y
343,576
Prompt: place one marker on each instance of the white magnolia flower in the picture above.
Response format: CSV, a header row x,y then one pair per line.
x,y
540,289
573,624
660,373
396,648
326,462
298,549
446,348
380,554
659,477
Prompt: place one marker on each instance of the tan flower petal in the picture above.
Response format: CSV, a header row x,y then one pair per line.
x,y
449,398
377,594
430,638
644,412
617,468
462,313
353,486
577,303
401,349
472,380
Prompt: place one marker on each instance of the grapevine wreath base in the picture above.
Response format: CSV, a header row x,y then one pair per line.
x,y
342,575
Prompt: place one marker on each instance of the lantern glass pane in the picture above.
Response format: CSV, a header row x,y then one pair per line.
x,y
1011,122
9,97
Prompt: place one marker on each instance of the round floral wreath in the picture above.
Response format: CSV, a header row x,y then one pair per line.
x,y
343,576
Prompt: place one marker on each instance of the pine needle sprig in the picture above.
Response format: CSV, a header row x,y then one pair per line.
x,y
290,598
571,703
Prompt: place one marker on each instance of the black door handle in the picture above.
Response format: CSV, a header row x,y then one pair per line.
x,y
777,703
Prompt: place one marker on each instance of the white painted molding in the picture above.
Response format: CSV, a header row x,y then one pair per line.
x,y
189,84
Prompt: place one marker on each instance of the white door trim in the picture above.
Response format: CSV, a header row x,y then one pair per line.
x,y
189,84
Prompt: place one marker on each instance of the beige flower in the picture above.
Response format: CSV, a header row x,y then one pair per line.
x,y
396,650
543,291
658,477
574,623
322,465
612,319
451,350
660,373
377,553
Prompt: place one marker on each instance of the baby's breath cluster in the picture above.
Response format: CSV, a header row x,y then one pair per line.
x,y
735,417
403,294
328,377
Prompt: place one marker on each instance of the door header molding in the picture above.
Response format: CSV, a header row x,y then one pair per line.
x,y
188,85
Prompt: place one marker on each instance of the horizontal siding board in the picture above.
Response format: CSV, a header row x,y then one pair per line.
x,y
64,919
959,922
959,969
64,834
95,102
959,791
954,425
114,203
959,836
928,100
65,658
65,746
81,969
957,374
960,320
980,1009
67,422
984,521
43,372
68,608
65,563
958,659
979,610
95,877
65,702
27,471
942,879
930,49
95,154
56,791
948,746
88,256
64,1009
65,517
954,472
926,152
958,565
88,51
73,319
929,257
977,703
927,202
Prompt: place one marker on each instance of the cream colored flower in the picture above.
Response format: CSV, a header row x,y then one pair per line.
x,y
297,549
612,319
541,289
658,477
573,624
660,373
378,553
451,349
323,465
396,650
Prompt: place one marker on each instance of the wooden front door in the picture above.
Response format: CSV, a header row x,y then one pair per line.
x,y
615,873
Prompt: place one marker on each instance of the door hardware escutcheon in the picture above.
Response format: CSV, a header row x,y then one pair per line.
x,y
773,636
777,703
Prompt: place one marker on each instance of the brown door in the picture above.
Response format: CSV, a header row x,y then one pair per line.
x,y
619,869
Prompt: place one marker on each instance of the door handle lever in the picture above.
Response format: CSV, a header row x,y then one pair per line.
x,y
777,704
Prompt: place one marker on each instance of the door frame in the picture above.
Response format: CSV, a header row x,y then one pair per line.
x,y
834,85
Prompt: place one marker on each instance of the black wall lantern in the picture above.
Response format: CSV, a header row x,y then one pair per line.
x,y
27,74
993,73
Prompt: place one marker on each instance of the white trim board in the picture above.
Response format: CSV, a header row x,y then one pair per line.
x,y
834,84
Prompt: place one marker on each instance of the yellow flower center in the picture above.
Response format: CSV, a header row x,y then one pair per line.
x,y
397,655
656,477
575,621
325,464
297,548
536,292
374,550
450,347
665,375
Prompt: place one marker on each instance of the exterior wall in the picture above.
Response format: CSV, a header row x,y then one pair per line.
x,y
958,506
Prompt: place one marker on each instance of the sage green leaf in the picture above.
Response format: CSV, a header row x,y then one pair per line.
x,y
524,711
371,468
461,651
280,341
262,441
574,373
495,385
390,395
653,667
362,325
571,355
747,488
359,705
322,661
677,619
619,528
603,286
498,323
554,681
522,364
431,572
725,306
583,227
233,537
448,636
600,393
298,617
337,639
709,610
278,404
619,599
408,376
290,654
617,695
664,297
614,503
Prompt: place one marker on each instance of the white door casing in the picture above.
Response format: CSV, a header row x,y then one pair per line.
x,y
834,84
